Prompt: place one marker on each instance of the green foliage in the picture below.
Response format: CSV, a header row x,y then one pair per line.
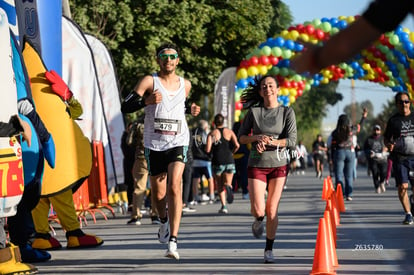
x,y
212,34
310,109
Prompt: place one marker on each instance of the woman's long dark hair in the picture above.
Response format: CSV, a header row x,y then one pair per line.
x,y
251,96
343,128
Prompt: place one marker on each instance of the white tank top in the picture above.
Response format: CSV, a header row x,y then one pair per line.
x,y
165,124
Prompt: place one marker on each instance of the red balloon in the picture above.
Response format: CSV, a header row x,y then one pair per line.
x,y
244,64
300,28
319,34
273,60
239,105
253,61
309,29
264,60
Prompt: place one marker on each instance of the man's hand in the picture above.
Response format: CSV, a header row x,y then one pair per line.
x,y
153,98
195,109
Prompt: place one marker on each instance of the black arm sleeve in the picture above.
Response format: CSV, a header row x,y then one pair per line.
x,y
132,103
187,107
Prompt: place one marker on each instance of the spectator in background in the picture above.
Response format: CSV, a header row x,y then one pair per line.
x,y
218,143
376,154
319,149
241,158
128,144
201,163
343,152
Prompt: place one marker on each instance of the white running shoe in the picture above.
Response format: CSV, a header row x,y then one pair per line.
x,y
172,251
268,257
382,186
164,232
257,229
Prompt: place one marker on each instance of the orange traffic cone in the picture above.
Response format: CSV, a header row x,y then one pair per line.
x,y
322,262
340,198
335,210
325,190
331,238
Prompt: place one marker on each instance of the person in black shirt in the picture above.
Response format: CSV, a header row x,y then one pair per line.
x,y
376,154
399,138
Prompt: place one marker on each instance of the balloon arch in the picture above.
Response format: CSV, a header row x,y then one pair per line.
x,y
389,61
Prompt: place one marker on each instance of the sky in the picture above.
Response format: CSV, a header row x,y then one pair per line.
x,y
307,10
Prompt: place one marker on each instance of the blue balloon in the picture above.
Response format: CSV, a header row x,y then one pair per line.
x,y
299,47
290,44
279,41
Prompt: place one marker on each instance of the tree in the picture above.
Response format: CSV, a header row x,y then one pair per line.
x,y
212,34
310,109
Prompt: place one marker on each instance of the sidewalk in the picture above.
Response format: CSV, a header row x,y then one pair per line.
x,y
370,240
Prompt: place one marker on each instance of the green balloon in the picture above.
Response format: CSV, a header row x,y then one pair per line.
x,y
274,71
266,50
297,77
394,40
284,71
316,22
326,26
276,51
286,54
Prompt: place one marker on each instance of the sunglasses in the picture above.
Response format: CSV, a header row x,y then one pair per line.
x,y
164,56
403,101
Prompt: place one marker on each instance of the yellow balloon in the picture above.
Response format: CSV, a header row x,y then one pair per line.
x,y
292,99
293,92
411,35
252,71
325,80
284,34
304,37
242,73
284,91
236,118
350,19
237,113
294,34
366,66
262,69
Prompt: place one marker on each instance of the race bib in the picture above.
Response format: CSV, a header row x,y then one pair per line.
x,y
167,126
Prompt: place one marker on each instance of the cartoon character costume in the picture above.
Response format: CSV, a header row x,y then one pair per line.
x,y
42,147
73,156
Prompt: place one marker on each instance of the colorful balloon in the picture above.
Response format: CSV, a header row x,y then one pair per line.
x,y
389,61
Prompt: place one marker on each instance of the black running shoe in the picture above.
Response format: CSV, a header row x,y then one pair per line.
x,y
230,195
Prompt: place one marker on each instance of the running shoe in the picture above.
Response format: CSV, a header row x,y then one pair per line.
x,y
382,186
188,209
134,221
172,251
408,219
223,210
164,232
257,229
230,196
268,257
155,220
